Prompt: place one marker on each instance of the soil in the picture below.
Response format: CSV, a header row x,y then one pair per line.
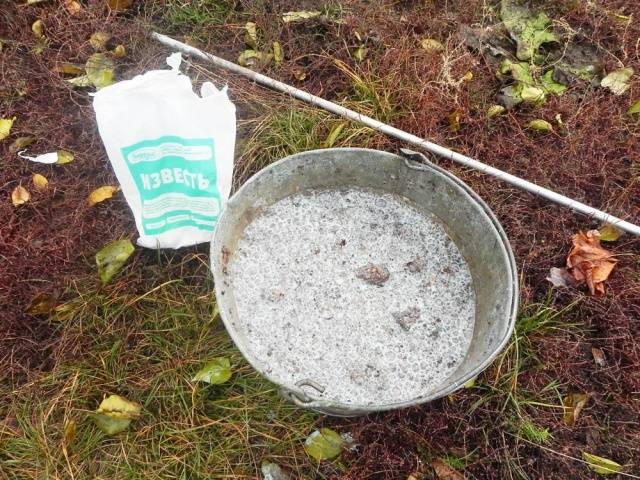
x,y
48,243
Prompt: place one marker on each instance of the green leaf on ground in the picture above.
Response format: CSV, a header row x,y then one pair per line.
x,y
115,413
609,233
618,80
360,53
540,125
573,405
278,55
634,109
111,258
431,45
100,70
550,85
300,16
323,444
5,127
601,465
532,95
251,35
215,371
528,29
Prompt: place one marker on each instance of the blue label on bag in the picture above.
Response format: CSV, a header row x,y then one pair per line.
x,y
176,180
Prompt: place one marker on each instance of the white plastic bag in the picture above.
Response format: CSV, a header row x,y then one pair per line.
x,y
172,152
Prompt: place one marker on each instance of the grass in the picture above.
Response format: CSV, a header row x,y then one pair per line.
x,y
147,348
195,16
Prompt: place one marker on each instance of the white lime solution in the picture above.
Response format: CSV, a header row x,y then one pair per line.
x,y
356,291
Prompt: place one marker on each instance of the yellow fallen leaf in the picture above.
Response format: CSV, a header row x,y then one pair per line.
x,y
278,56
40,181
69,68
41,304
72,6
5,127
69,436
609,233
98,41
101,194
64,157
300,16
115,413
467,77
495,110
20,196
119,51
431,44
37,28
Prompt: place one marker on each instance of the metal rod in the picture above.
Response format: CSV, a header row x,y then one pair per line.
x,y
400,134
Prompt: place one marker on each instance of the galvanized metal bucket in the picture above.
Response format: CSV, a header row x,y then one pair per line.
x,y
466,218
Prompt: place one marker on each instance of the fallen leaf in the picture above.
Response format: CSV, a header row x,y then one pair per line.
x,y
33,2
618,80
540,125
98,41
444,471
467,77
215,371
470,383
115,413
119,5
112,257
300,16
100,194
360,53
100,70
273,471
601,465
589,262
494,111
251,35
528,29
20,196
533,95
81,81
573,405
40,46
21,143
454,121
72,6
299,74
558,119
69,68
560,277
432,45
5,127
634,109
598,356
41,304
69,436
249,58
278,55
323,444
120,51
609,233
40,182
64,312
333,135
550,85
63,156
37,28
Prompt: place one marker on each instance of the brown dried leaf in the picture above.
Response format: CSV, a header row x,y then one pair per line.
x,y
444,471
119,5
589,262
573,405
41,304
598,357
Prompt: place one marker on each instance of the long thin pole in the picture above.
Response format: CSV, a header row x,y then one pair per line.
x,y
400,134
